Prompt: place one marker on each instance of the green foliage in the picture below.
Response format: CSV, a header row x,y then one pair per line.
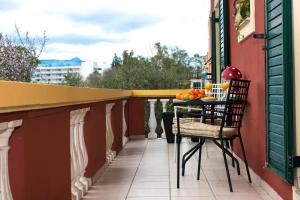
x,y
73,79
168,68
245,9
94,79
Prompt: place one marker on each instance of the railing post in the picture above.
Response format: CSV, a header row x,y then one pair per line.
x,y
124,125
6,129
164,103
152,120
110,155
79,157
86,182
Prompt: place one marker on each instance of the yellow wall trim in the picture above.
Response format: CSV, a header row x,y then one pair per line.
x,y
18,96
156,93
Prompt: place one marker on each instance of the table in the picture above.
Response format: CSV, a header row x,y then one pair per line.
x,y
204,106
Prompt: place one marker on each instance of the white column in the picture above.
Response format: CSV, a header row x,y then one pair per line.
x,y
79,157
110,155
124,125
152,120
76,194
6,129
83,152
164,103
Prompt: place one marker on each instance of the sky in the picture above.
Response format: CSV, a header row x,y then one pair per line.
x,y
95,30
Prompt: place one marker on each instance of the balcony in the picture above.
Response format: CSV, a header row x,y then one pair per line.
x,y
60,142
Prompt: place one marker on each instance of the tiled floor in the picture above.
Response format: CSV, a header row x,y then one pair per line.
x,y
145,170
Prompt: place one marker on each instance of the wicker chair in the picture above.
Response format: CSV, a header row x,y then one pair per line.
x,y
228,128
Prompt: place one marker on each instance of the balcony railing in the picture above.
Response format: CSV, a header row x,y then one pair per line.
x,y
55,140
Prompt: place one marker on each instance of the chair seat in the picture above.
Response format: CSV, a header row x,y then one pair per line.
x,y
192,127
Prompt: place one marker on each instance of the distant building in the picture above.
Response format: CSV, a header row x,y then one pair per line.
x,y
54,71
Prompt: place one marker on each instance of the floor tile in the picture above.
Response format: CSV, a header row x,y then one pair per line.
x,y
145,170
148,192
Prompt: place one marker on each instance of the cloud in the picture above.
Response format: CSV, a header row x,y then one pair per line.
x,y
115,21
77,39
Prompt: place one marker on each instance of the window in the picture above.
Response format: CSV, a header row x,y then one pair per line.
x,y
244,18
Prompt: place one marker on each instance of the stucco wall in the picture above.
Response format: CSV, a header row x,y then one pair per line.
x,y
296,29
249,57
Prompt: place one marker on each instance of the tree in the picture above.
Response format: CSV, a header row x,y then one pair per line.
x,y
168,68
73,79
19,56
94,80
116,61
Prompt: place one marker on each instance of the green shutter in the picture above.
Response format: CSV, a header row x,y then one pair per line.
x,y
279,89
223,24
213,47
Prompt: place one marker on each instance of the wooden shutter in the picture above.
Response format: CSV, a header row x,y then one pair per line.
x,y
223,25
213,47
279,86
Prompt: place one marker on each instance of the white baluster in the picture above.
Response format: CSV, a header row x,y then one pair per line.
x,y
83,152
164,103
152,120
6,129
124,125
75,191
79,157
110,155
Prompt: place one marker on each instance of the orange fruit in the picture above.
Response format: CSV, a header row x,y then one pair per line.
x,y
178,95
192,97
191,92
197,91
202,92
208,86
224,86
201,95
181,97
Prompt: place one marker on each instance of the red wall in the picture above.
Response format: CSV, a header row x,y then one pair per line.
x,y
39,157
116,122
136,116
249,57
95,130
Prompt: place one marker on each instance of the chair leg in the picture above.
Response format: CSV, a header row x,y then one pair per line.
x,y
245,159
226,165
178,161
187,156
230,155
199,160
229,143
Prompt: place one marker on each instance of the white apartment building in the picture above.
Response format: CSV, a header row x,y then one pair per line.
x,y
54,71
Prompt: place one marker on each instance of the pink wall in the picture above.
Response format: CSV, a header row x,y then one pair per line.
x,y
39,157
249,57
136,116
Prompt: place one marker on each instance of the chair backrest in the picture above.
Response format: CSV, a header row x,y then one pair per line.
x,y
235,103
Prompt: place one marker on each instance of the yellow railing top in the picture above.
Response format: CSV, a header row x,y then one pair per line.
x,y
156,93
17,96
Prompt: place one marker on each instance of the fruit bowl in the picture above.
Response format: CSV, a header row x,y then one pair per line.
x,y
208,99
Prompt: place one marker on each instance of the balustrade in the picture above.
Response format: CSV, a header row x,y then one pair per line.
x,y
79,157
110,154
6,130
124,125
